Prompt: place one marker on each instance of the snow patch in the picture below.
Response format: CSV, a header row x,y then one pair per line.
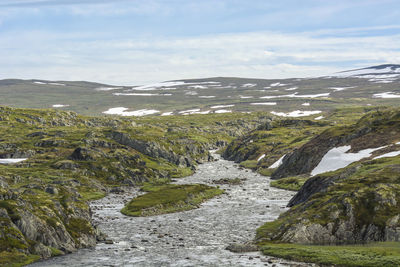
x,y
52,83
306,104
207,96
107,88
223,111
245,97
277,163
387,155
249,85
277,84
11,161
167,113
222,106
338,158
136,94
191,93
261,157
123,112
59,106
264,104
292,88
296,113
386,95
167,85
296,96
337,89
319,118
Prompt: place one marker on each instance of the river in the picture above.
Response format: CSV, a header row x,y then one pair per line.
x,y
191,238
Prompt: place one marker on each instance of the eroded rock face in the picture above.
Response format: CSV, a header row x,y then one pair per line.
x,y
155,150
358,204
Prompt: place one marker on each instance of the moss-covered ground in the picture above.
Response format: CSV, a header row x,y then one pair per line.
x,y
73,159
371,255
170,198
290,183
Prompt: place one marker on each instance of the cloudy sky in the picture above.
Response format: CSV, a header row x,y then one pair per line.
x,y
132,42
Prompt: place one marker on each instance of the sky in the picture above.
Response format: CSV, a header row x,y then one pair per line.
x,y
133,42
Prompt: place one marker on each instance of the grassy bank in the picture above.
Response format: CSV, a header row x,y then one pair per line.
x,y
169,199
376,254
290,183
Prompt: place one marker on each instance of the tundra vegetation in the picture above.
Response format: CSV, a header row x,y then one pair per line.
x,y
335,218
345,217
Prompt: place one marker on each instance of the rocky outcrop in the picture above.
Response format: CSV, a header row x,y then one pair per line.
x,y
371,131
358,204
307,157
155,150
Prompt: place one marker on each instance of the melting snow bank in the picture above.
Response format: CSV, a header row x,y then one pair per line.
x,y
261,157
223,106
264,104
295,95
223,111
338,89
387,155
249,85
170,85
277,163
107,88
123,112
319,118
59,106
296,113
386,95
11,161
338,158
44,83
140,94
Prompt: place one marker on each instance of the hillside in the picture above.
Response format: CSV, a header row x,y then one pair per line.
x,y
66,159
370,86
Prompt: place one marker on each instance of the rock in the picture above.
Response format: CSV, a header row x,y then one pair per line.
x,y
241,248
51,190
81,154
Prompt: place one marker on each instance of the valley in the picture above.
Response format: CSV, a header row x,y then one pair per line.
x,y
216,171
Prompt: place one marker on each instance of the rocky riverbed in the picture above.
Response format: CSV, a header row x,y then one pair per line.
x,y
192,238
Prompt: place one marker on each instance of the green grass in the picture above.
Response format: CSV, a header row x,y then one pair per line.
x,y
372,255
15,258
169,199
290,183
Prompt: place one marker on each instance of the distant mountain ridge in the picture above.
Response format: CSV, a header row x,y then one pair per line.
x,y
376,85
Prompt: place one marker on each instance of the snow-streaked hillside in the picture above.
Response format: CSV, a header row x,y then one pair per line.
x,y
380,74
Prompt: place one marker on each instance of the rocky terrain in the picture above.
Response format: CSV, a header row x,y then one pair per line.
x,y
342,156
355,204
347,177
63,160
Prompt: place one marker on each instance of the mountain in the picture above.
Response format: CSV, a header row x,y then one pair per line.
x,y
363,87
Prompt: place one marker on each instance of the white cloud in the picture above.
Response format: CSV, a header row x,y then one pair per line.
x,y
137,61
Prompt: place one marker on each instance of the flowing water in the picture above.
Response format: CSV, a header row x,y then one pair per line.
x,y
191,238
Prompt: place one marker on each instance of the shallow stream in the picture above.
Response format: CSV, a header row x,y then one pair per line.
x,y
191,238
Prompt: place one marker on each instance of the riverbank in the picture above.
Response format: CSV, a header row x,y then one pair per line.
x,y
191,238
